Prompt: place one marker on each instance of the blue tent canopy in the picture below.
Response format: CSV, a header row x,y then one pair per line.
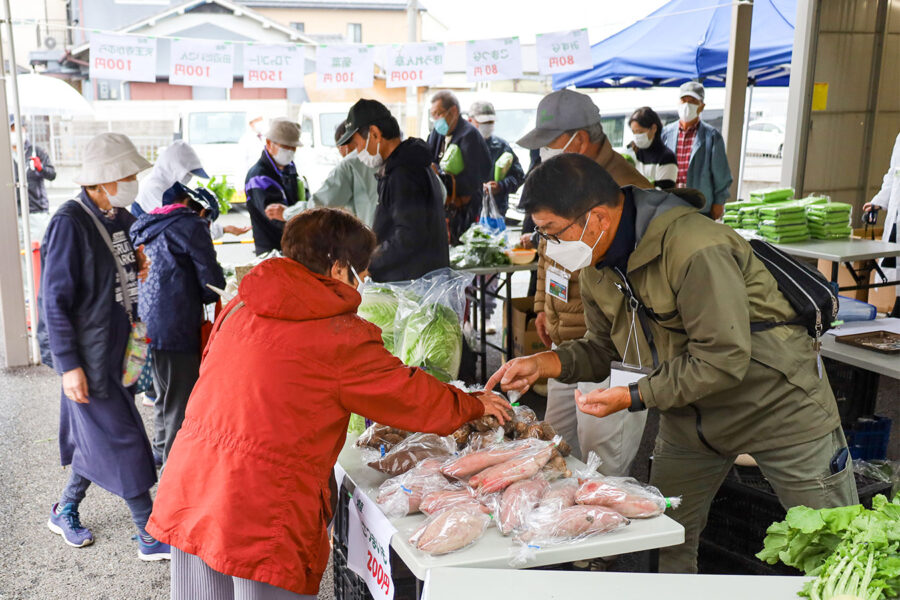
x,y
688,40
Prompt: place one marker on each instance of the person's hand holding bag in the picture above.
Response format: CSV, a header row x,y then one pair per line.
x,y
75,386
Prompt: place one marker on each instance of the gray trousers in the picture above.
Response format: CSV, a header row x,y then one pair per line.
x,y
174,376
193,579
799,474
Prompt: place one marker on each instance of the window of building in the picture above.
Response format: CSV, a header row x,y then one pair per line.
x,y
301,27
354,33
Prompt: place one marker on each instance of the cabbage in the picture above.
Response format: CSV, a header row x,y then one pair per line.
x,y
379,307
432,340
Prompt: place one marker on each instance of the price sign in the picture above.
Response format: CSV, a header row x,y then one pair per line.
x,y
273,66
123,57
368,545
412,65
563,51
345,66
201,63
487,60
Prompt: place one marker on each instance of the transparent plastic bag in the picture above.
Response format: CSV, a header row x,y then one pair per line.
x,y
475,461
561,493
381,437
437,501
517,502
402,495
451,530
408,453
524,465
491,219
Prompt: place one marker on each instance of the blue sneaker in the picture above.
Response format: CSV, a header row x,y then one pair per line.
x,y
151,549
66,523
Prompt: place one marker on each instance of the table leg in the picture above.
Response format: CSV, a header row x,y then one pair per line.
x,y
482,290
834,271
509,317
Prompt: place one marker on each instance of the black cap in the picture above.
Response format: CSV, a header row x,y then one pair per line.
x,y
362,114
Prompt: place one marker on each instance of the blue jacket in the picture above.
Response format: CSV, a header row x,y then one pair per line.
x,y
183,261
708,171
81,322
266,185
515,177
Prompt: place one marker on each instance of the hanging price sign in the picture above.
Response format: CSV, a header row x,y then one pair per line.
x,y
122,57
487,60
412,65
345,66
201,63
273,66
563,51
368,545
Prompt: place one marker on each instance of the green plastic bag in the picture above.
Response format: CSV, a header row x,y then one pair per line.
x,y
452,161
502,166
773,194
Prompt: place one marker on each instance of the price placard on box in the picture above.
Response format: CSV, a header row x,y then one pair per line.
x,y
368,545
123,57
201,63
412,65
563,51
273,66
487,60
345,66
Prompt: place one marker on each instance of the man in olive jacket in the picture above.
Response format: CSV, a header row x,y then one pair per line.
x,y
720,389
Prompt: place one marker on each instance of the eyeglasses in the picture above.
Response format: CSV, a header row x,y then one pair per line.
x,y
553,238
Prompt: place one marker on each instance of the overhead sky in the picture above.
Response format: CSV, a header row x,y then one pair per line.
x,y
460,20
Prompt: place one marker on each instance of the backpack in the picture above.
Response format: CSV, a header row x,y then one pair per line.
x,y
809,293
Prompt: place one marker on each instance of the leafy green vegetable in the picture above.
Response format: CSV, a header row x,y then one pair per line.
x,y
852,551
479,248
222,190
357,423
379,307
432,339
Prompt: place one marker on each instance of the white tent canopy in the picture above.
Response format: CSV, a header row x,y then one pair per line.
x,y
44,95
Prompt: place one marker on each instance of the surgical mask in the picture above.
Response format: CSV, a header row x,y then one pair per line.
x,y
442,126
548,153
352,154
642,140
486,129
284,157
687,112
356,276
573,256
127,192
373,161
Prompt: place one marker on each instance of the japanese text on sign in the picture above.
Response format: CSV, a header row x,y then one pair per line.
x,y
493,59
120,57
345,66
563,51
201,63
411,65
272,66
368,545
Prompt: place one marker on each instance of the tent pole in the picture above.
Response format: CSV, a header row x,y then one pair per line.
x,y
740,187
736,87
23,190
12,300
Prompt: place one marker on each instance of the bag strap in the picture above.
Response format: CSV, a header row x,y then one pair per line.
x,y
123,276
635,304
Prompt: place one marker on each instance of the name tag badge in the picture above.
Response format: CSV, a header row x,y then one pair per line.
x,y
557,283
622,375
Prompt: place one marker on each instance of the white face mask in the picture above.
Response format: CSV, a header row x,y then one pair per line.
x,y
283,157
127,192
356,276
642,140
373,161
573,256
486,129
687,112
352,154
547,153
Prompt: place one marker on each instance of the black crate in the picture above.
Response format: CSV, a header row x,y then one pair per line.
x,y
746,505
855,390
713,559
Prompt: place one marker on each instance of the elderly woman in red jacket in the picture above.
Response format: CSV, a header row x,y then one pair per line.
x,y
244,499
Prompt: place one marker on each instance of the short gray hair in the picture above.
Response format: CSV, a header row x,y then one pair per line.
x,y
447,99
595,132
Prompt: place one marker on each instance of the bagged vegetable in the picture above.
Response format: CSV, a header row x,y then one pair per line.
x,y
772,194
471,463
379,306
440,500
403,494
432,340
525,465
381,437
450,530
479,247
408,453
517,502
561,493
624,495
491,219
502,165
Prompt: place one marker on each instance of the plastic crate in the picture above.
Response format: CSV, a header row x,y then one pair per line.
x,y
868,438
854,390
713,559
746,505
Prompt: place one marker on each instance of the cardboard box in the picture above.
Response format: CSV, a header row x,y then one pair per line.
x,y
525,337
882,297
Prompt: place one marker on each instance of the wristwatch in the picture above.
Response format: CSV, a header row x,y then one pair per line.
x,y
637,404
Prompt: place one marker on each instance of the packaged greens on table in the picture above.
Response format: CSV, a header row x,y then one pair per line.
x,y
772,194
479,248
379,307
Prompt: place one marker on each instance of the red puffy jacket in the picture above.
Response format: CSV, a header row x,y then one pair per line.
x,y
245,487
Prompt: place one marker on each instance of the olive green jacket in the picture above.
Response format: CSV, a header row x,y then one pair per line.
x,y
745,392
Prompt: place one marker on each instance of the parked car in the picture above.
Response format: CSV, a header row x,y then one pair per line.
x,y
765,137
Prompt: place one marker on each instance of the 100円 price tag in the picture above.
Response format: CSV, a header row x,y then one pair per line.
x,y
368,545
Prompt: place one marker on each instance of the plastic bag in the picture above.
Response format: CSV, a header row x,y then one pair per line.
x,y
517,502
491,219
480,247
525,465
450,530
551,525
886,471
380,437
502,165
408,453
625,495
473,462
403,494
561,493
437,501
452,161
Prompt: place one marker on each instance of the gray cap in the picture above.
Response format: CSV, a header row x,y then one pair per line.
x,y
109,157
694,89
284,131
483,112
559,112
